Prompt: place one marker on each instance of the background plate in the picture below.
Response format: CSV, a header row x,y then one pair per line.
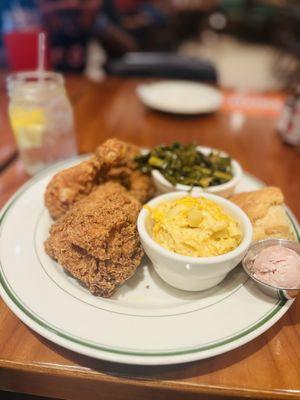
x,y
180,97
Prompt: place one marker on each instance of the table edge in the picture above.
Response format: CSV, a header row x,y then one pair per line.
x,y
179,386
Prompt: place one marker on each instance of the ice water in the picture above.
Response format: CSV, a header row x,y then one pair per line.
x,y
41,118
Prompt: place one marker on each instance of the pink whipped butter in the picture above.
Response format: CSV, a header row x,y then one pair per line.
x,y
278,266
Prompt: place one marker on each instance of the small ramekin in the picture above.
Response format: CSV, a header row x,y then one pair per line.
x,y
271,290
224,190
193,273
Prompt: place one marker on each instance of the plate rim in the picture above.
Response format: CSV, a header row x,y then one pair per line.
x,y
55,335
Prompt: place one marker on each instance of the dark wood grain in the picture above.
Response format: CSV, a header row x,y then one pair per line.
x,y
267,367
113,109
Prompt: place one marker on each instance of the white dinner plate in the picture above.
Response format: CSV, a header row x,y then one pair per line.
x,y
180,97
146,321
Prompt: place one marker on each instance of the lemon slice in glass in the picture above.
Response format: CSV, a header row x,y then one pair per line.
x,y
28,126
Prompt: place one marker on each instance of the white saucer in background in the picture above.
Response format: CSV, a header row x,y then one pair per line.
x,y
180,97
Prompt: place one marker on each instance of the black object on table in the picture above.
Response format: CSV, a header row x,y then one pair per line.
x,y
163,65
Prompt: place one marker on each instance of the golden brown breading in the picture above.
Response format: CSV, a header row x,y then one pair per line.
x,y
141,187
70,185
113,160
116,153
265,209
97,240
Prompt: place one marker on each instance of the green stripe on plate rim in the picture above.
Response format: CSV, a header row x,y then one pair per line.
x,y
92,345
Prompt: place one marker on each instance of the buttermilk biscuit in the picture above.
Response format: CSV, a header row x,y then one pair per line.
x,y
265,208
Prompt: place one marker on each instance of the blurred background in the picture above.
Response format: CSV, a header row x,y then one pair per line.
x,y
256,39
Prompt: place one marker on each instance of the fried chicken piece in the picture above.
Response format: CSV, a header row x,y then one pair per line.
x,y
141,186
113,160
97,240
70,185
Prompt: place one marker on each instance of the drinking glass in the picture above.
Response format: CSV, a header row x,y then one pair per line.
x,y
41,117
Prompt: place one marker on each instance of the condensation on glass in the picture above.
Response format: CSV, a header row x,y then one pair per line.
x,y
42,119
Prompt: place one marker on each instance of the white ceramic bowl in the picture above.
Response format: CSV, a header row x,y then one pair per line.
x,y
224,190
193,273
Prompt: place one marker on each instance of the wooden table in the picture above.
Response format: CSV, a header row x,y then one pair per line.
x,y
267,367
